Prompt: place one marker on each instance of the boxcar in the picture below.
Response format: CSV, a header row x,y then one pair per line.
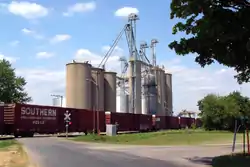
x,y
1,120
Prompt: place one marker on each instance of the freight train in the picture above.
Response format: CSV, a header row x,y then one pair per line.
x,y
25,120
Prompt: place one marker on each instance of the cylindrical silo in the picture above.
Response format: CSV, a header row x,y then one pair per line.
x,y
169,92
158,83
150,93
135,86
57,102
144,105
98,88
110,91
122,101
78,85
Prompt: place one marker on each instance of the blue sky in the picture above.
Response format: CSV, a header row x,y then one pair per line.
x,y
41,36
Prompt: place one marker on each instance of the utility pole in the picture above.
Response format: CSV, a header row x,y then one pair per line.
x,y
97,98
59,97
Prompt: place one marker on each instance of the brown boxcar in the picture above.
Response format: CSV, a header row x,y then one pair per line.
x,y
61,126
184,122
145,122
174,123
126,121
159,122
1,120
30,119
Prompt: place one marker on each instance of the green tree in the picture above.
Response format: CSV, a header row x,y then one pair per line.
x,y
11,86
216,30
218,112
242,102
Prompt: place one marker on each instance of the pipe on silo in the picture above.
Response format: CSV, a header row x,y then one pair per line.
x,y
169,93
98,80
110,91
78,88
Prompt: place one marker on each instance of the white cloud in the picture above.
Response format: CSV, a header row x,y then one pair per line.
x,y
10,59
32,33
125,11
60,38
48,81
14,43
44,55
80,8
27,10
27,31
112,63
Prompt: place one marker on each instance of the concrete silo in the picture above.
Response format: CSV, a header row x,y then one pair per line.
x,y
110,91
97,88
169,93
78,86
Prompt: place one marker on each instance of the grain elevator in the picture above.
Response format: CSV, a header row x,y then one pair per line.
x,y
142,87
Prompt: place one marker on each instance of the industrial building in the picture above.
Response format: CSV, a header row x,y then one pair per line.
x,y
142,88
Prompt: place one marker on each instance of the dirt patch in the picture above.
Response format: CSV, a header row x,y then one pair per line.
x,y
14,156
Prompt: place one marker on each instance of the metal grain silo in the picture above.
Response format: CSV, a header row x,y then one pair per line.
x,y
169,93
157,72
56,102
150,92
97,88
78,86
122,101
144,105
110,91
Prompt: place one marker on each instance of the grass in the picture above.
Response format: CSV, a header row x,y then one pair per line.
x,y
7,143
176,137
238,160
12,154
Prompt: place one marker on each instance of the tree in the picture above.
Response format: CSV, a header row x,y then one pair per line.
x,y
11,86
219,112
217,30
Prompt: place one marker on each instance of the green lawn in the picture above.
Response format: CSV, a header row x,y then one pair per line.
x,y
177,137
238,160
6,143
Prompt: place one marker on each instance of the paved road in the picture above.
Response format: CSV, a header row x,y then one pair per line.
x,y
54,152
51,152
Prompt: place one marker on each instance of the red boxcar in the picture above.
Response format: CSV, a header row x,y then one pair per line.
x,y
1,120
27,119
30,119
159,122
145,122
91,120
174,123
126,121
184,122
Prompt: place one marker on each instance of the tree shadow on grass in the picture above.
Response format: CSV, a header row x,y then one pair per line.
x,y
237,160
201,160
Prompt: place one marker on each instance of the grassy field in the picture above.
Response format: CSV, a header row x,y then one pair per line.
x,y
238,160
7,143
177,137
12,154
